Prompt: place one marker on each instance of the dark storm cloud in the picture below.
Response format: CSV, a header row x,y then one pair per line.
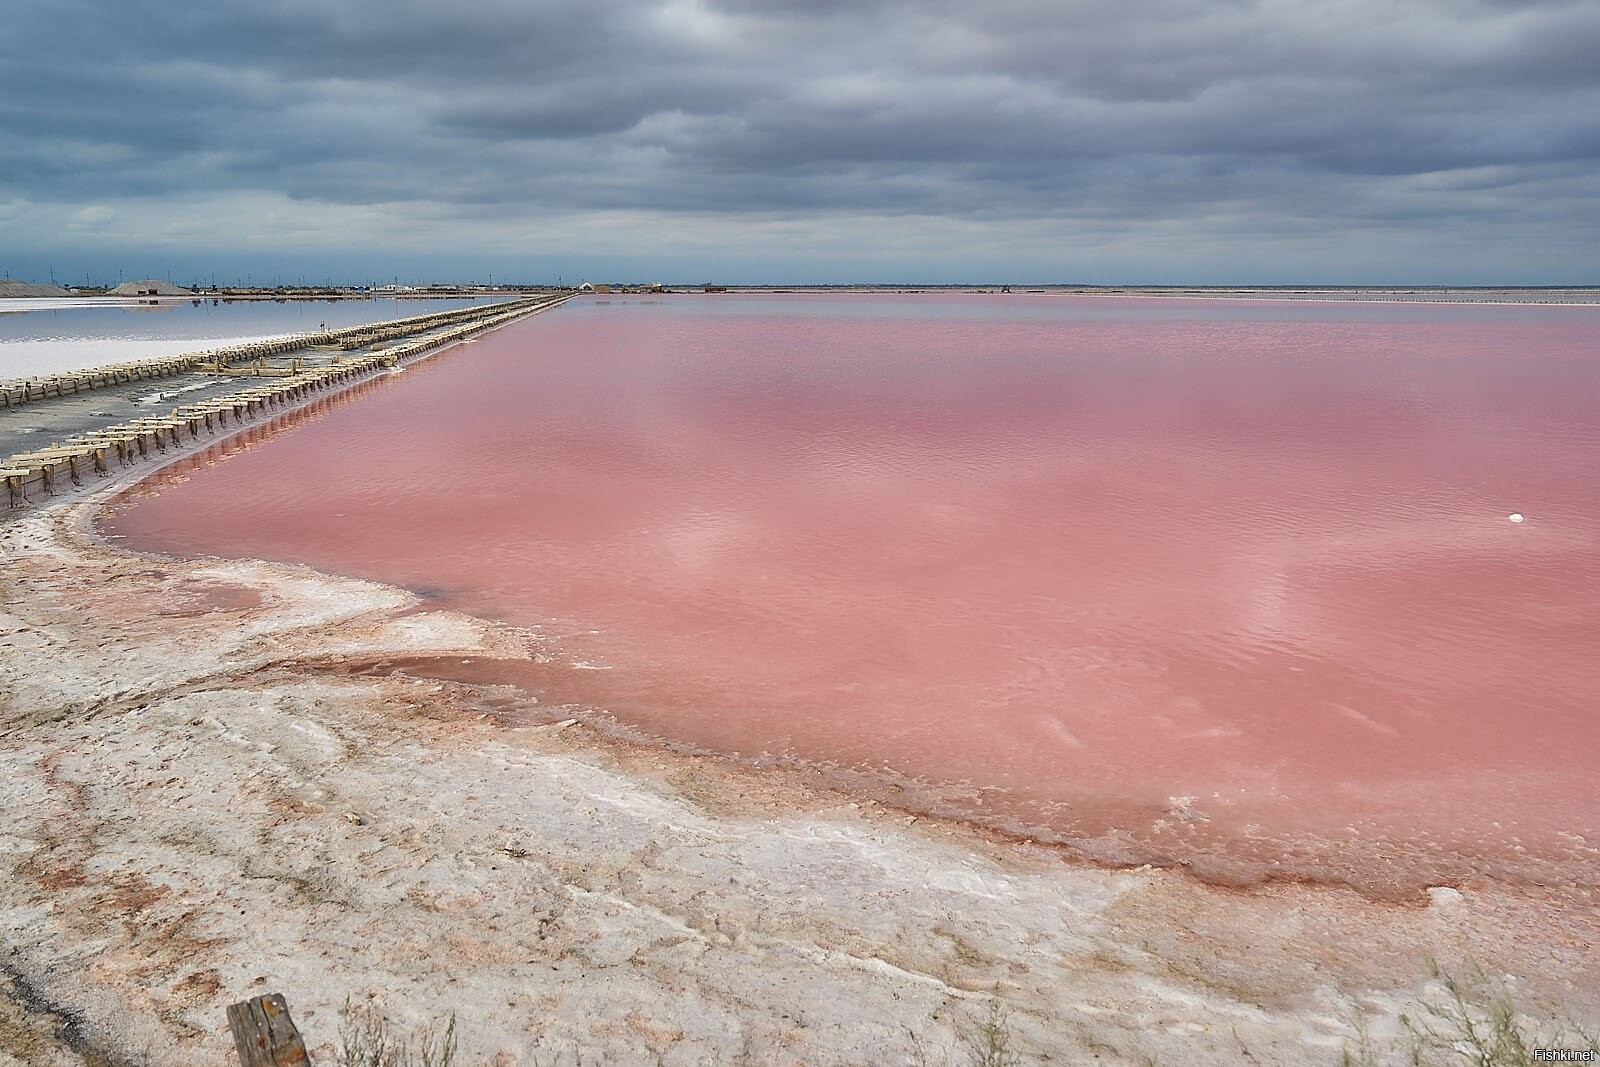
x,y
1012,108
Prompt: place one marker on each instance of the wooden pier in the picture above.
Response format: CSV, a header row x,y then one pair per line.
x,y
95,453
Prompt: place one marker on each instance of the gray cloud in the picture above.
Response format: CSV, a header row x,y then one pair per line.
x,y
1241,116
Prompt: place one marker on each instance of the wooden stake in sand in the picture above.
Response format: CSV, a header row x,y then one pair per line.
x,y
264,1035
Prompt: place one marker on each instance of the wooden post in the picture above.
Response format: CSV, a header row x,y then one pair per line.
x,y
264,1035
14,480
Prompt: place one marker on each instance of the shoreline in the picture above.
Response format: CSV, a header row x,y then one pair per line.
x,y
1488,295
1583,296
202,807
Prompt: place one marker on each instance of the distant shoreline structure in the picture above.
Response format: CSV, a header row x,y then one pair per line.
x,y
1462,294
157,288
11,288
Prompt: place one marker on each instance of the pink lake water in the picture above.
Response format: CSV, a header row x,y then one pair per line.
x,y
1225,583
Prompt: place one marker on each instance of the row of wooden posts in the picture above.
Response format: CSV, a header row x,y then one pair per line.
x,y
126,443
18,391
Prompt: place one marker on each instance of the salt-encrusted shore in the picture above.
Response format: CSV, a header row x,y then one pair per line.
x,y
198,805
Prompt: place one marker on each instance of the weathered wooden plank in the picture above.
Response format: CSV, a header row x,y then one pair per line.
x,y
55,452
264,1035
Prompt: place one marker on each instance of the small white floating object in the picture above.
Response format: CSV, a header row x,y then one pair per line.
x,y
1515,516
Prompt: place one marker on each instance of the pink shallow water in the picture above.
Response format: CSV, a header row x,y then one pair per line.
x,y
1228,583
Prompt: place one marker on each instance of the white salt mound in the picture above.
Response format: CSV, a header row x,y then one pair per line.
x,y
149,287
1441,896
11,288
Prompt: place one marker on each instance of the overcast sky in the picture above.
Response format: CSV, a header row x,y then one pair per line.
x,y
1281,141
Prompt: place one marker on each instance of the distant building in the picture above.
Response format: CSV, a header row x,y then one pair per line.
x,y
602,287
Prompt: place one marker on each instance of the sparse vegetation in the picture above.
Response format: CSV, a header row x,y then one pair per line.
x,y
1465,1019
989,1043
1469,1020
366,1039
985,1041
